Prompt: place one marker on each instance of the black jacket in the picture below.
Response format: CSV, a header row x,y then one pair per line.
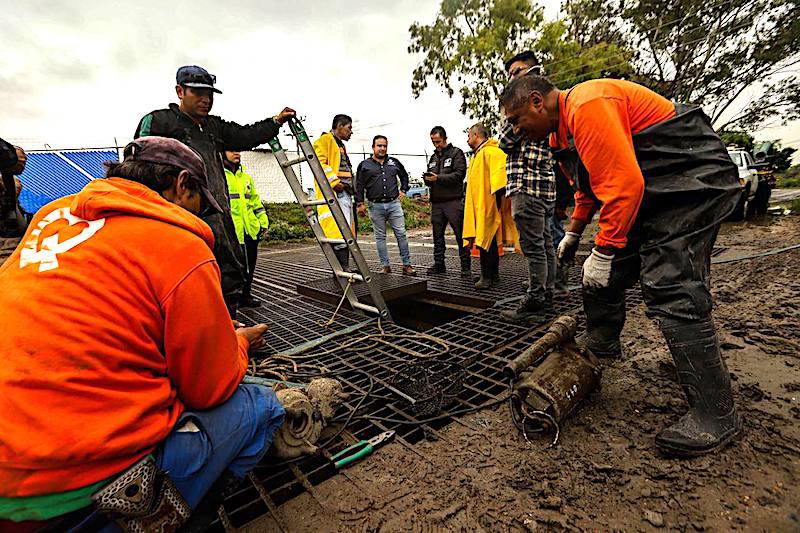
x,y
451,166
209,139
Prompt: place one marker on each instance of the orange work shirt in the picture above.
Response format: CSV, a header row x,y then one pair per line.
x,y
601,116
113,324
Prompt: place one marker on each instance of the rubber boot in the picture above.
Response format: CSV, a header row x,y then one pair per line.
x,y
483,283
605,317
206,510
531,306
712,420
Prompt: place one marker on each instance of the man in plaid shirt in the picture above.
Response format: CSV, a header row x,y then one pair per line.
x,y
532,188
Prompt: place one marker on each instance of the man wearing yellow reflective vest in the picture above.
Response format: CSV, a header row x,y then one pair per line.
x,y
339,171
249,218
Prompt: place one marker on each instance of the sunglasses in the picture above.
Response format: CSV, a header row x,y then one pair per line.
x,y
197,77
536,69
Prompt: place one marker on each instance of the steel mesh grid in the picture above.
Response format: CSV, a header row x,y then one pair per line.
x,y
484,381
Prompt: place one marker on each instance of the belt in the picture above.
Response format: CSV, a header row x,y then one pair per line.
x,y
383,200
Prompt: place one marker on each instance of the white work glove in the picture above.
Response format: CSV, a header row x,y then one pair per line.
x,y
597,270
568,246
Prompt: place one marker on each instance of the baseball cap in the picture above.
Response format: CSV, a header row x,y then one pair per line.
x,y
198,77
165,151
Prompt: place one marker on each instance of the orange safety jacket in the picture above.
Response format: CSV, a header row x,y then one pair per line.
x,y
600,117
113,324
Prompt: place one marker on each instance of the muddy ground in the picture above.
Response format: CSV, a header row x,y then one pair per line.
x,y
605,474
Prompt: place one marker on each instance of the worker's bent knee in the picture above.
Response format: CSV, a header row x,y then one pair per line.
x,y
263,410
690,300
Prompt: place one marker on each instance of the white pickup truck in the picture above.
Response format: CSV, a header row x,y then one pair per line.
x,y
748,179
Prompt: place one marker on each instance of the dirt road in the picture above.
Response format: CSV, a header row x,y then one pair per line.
x,y
481,475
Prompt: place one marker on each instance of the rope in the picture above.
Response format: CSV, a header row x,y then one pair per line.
x,y
329,323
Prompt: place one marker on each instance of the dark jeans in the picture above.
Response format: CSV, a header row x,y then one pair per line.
x,y
490,261
443,213
532,217
251,252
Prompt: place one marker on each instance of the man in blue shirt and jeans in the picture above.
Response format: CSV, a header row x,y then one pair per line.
x,y
377,179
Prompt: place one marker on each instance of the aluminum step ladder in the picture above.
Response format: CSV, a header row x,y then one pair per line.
x,y
345,279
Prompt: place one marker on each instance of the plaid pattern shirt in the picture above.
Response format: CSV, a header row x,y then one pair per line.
x,y
529,166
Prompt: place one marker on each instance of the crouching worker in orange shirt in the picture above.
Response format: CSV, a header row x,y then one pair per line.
x,y
134,361
663,182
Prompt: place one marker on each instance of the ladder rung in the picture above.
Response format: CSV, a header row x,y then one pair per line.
x,y
367,308
343,274
332,241
297,160
309,203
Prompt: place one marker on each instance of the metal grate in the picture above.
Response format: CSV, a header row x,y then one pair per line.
x,y
391,286
483,342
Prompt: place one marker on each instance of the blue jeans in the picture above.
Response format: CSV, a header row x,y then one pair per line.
x,y
392,212
233,436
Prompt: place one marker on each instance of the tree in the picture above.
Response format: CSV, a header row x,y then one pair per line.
x,y
465,48
710,52
779,158
738,138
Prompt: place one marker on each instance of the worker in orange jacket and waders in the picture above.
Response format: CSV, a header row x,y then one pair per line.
x,y
663,182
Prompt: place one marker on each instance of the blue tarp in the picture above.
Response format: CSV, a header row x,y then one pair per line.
x,y
48,177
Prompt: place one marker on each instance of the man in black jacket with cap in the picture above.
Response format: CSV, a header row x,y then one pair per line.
x,y
190,123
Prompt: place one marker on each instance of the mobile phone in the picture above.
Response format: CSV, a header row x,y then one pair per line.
x,y
426,174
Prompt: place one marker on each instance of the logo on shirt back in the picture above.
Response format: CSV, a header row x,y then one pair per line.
x,y
46,252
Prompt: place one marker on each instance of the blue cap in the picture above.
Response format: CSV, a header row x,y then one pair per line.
x,y
196,77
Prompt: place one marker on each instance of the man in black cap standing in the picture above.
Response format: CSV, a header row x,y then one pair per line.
x,y
190,123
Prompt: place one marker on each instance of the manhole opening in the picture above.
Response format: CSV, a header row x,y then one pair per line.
x,y
426,311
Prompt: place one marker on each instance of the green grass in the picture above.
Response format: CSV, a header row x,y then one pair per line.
x,y
287,223
788,179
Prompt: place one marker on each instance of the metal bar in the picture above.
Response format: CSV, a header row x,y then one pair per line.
x,y
332,241
311,203
291,162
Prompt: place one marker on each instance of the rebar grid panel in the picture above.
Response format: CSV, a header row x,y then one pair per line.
x,y
293,320
307,269
354,368
484,342
392,286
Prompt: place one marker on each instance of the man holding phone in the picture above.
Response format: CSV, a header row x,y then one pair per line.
x,y
447,169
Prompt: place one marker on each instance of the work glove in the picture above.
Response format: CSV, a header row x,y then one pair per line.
x,y
568,246
597,270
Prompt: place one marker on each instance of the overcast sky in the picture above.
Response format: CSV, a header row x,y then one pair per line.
x,y
82,73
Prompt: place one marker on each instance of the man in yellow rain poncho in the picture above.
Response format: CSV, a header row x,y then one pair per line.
x,y
336,164
483,213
